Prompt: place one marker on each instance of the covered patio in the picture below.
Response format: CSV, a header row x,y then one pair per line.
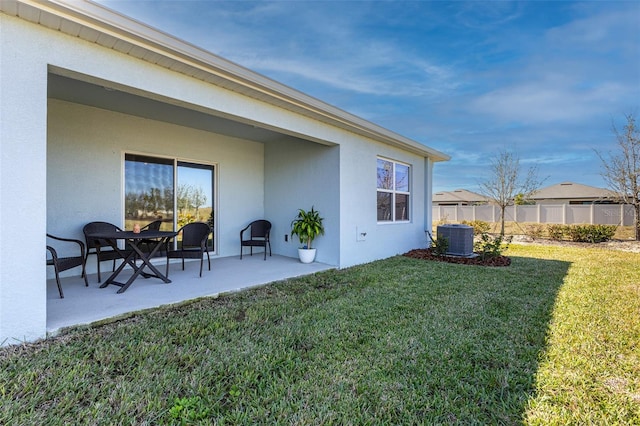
x,y
84,305
107,119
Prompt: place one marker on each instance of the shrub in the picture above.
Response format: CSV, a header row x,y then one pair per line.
x,y
555,232
488,247
439,246
591,233
479,227
605,232
185,218
534,230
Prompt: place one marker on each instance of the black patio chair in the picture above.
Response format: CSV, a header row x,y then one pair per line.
x,y
61,264
101,248
153,226
258,236
193,245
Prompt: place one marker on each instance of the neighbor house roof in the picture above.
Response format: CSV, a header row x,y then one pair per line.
x,y
97,24
459,196
571,190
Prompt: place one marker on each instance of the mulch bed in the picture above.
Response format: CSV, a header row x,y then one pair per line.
x,y
427,254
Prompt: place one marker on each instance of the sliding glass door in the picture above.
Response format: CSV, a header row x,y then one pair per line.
x,y
175,192
148,191
194,195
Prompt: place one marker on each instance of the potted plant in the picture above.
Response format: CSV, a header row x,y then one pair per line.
x,y
307,226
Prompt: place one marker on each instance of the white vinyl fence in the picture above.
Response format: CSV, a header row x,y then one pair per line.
x,y
565,214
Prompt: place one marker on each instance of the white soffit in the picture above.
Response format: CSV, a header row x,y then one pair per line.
x,y
97,24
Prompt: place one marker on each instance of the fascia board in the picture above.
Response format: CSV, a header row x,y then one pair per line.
x,y
106,21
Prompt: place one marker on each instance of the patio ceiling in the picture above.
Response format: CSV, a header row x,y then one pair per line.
x,y
104,95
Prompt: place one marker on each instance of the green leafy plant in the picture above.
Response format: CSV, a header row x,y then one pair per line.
x,y
555,232
184,219
211,220
439,246
307,226
522,200
190,409
488,246
590,233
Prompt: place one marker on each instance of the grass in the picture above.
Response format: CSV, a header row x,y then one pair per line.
x,y
590,369
552,339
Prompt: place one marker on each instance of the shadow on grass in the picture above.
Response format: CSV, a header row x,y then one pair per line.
x,y
488,330
399,341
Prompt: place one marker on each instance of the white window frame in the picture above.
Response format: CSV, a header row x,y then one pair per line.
x,y
394,191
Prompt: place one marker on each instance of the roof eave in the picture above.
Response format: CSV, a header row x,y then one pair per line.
x,y
245,81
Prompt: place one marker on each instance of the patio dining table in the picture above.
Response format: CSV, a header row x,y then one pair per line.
x,y
155,240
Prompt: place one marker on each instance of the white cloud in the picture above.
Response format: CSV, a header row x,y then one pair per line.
x,y
541,102
571,74
374,74
488,15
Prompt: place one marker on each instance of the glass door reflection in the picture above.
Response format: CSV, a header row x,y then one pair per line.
x,y
195,196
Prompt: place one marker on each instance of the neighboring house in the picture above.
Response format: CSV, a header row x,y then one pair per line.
x,y
562,193
573,193
89,99
564,203
459,197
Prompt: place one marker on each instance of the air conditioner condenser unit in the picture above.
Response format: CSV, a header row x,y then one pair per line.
x,y
460,238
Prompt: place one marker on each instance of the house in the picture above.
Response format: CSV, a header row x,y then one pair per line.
x,y
459,197
573,193
93,103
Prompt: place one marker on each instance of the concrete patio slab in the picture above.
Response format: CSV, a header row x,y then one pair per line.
x,y
84,305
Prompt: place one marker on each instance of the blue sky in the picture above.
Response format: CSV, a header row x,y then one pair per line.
x,y
544,80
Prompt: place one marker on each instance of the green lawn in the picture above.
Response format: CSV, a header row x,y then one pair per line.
x,y
552,339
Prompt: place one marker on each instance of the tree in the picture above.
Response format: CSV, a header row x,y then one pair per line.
x,y
198,199
520,200
505,182
621,170
152,200
184,197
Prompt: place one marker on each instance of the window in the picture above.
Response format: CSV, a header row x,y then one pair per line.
x,y
174,192
393,191
148,191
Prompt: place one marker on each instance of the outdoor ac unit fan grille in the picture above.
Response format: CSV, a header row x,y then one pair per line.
x,y
460,239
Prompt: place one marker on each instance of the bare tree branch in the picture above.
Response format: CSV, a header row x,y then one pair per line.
x,y
621,169
505,182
